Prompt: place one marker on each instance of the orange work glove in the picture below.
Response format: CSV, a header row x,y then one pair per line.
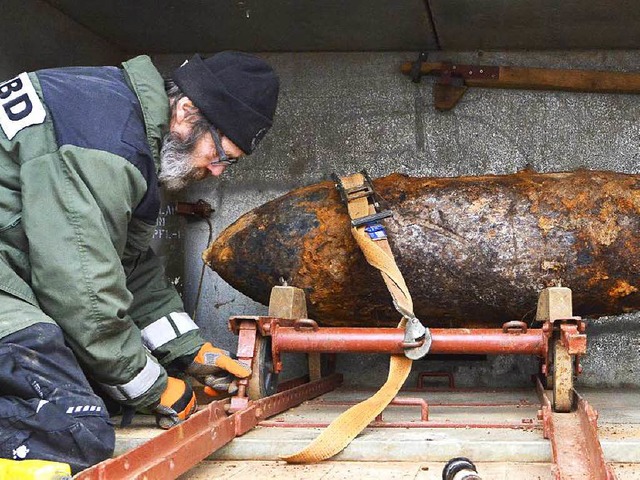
x,y
217,369
177,403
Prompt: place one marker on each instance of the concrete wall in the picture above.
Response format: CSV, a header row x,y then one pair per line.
x,y
343,112
34,35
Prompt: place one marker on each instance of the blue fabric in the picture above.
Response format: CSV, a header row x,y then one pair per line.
x,y
94,108
47,408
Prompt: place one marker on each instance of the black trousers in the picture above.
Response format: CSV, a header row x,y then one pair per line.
x,y
48,411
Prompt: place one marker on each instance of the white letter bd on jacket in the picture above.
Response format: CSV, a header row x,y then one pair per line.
x,y
20,106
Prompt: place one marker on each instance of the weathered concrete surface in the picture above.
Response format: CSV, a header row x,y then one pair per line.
x,y
619,428
388,470
500,453
345,112
348,470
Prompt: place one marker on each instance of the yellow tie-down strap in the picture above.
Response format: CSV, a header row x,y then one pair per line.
x,y
351,422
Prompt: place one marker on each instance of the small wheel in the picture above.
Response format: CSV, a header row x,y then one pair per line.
x,y
562,378
263,381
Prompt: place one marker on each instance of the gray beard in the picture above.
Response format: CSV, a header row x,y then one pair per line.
x,y
176,169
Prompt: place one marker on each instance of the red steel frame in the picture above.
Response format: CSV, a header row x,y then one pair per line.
x,y
577,452
305,336
177,450
180,448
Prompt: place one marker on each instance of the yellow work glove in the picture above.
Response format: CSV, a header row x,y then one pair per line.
x,y
217,370
177,403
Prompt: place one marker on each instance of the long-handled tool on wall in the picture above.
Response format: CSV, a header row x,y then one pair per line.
x,y
454,79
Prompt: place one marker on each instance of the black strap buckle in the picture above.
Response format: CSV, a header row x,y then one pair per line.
x,y
364,190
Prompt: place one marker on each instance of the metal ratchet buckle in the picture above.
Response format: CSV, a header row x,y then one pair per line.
x,y
364,190
417,337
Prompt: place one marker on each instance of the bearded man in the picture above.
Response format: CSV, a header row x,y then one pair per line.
x,y
82,153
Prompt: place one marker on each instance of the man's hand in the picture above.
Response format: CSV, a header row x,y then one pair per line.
x,y
217,369
177,403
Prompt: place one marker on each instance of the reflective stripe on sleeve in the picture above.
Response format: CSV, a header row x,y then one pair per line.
x,y
166,329
140,384
183,321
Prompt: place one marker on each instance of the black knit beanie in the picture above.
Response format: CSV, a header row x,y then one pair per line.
x,y
235,91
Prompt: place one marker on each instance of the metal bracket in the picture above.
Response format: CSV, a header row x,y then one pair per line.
x,y
365,190
358,222
422,343
416,74
417,337
574,340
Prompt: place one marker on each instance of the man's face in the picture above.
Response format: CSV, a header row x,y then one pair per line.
x,y
189,154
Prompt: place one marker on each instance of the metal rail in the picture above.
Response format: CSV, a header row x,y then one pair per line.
x,y
180,448
576,450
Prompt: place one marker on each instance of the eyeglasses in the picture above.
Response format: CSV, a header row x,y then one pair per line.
x,y
223,158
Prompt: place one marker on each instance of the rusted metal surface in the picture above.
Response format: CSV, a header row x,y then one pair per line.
x,y
575,447
475,251
588,417
180,448
247,339
523,425
574,338
263,324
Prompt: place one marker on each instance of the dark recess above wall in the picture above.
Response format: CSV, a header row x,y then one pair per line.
x,y
170,26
